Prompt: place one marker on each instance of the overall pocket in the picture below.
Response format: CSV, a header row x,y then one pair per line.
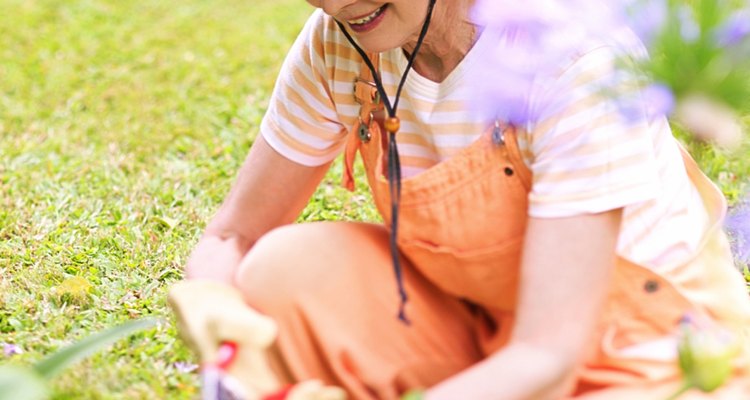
x,y
637,335
487,276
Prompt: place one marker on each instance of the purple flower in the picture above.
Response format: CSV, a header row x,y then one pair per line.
x,y
536,40
645,17
10,349
659,100
689,29
735,30
533,42
185,367
738,226
654,101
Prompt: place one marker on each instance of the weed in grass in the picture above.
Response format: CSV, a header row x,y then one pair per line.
x,y
73,290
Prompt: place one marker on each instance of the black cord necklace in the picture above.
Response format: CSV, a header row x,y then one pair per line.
x,y
392,125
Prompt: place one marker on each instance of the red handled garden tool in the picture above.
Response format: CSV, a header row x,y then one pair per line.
x,y
216,383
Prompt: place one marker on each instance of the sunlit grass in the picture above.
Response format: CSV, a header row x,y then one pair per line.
x,y
122,125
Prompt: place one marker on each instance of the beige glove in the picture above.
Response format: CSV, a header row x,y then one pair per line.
x,y
315,390
210,313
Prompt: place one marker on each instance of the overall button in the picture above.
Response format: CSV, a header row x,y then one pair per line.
x,y
651,286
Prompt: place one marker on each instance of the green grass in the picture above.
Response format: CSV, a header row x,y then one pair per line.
x,y
122,124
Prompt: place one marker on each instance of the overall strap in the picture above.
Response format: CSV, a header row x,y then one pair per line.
x,y
366,94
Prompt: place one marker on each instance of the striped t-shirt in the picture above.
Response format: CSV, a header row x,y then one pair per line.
x,y
585,158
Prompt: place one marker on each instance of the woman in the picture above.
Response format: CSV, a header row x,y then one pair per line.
x,y
549,260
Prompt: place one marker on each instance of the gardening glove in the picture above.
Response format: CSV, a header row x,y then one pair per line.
x,y
210,313
308,390
315,390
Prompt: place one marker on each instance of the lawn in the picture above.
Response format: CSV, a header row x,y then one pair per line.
x,y
121,127
122,124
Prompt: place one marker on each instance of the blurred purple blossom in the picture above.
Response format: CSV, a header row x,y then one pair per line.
x,y
689,29
738,226
736,29
536,40
185,367
659,100
10,349
644,17
654,101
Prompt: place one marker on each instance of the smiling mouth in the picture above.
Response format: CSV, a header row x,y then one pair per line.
x,y
368,18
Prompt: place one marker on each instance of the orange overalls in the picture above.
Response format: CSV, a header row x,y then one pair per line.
x,y
330,285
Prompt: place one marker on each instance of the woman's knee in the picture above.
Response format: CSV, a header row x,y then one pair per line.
x,y
306,260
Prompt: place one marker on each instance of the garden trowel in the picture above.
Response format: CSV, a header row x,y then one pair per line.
x,y
216,383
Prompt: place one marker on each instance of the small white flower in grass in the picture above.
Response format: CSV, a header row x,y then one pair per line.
x,y
10,349
185,367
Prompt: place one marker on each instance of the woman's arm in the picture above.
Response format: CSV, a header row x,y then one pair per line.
x,y
270,191
566,268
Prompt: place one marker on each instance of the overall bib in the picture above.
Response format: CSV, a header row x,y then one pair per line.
x,y
461,232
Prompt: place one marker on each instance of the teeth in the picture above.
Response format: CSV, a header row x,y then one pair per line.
x,y
366,19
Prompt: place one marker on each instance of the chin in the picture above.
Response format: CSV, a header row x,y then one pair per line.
x,y
378,44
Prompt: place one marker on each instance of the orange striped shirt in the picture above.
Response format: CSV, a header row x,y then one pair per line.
x,y
584,156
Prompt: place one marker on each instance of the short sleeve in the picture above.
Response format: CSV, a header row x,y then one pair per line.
x,y
302,122
587,157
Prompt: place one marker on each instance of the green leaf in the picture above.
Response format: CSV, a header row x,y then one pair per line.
x,y
17,383
53,364
413,395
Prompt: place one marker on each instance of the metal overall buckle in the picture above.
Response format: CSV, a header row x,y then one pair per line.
x,y
364,128
498,133
374,97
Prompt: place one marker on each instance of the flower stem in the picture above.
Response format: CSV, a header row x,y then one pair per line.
x,y
685,387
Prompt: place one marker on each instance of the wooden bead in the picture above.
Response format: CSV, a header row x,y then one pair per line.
x,y
392,124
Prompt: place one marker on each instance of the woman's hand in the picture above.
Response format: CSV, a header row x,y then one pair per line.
x,y
565,273
270,191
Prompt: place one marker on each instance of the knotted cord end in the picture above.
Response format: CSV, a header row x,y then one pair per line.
x,y
402,311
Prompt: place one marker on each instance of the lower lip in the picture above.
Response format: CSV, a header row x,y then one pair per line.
x,y
370,25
